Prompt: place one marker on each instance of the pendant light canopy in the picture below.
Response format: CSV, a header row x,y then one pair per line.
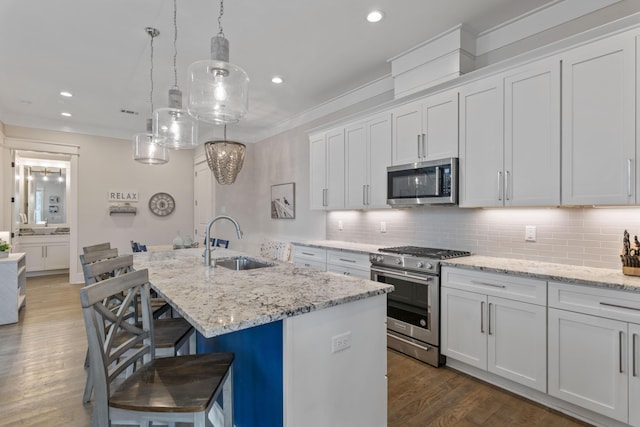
x,y
173,126
218,90
146,148
225,158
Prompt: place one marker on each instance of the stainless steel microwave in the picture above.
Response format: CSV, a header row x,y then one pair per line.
x,y
426,183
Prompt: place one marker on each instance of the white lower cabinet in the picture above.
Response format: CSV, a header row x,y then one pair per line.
x,y
45,253
310,256
594,339
496,323
337,261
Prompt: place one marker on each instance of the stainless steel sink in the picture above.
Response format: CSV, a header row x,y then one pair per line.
x,y
240,263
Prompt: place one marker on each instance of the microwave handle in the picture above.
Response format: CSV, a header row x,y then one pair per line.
x,y
437,180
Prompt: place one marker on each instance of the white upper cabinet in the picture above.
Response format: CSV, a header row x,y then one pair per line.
x,y
317,171
326,164
598,123
368,153
532,135
510,138
481,143
426,129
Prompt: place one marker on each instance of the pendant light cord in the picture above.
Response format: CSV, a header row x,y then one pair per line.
x,y
220,18
153,33
175,44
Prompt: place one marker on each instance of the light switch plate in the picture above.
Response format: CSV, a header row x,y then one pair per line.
x,y
530,233
340,226
383,226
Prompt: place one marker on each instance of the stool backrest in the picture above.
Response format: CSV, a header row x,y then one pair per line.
x,y
110,267
96,248
92,257
108,360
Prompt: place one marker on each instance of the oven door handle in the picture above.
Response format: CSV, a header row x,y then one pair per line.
x,y
393,273
408,342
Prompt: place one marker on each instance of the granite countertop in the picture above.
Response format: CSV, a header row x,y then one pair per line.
x,y
339,245
218,300
581,275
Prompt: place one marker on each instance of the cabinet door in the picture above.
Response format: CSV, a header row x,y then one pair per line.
x,y
481,144
598,123
407,133
379,153
634,374
463,326
317,171
517,342
203,203
34,256
532,135
56,256
335,169
440,126
587,366
355,141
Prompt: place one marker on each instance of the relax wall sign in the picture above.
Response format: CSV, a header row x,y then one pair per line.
x,y
123,196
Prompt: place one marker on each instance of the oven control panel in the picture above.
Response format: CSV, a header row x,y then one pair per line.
x,y
404,262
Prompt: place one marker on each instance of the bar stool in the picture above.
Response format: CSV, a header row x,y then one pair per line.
x,y
167,390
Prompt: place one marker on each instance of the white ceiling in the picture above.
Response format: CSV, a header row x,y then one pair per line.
x,y
99,51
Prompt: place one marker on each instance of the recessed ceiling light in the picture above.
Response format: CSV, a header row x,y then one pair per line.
x,y
277,80
66,94
375,16
66,114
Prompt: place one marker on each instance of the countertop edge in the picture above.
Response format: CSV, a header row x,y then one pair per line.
x,y
579,275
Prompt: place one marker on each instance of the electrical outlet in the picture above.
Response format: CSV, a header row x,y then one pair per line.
x,y
340,342
383,226
530,233
340,226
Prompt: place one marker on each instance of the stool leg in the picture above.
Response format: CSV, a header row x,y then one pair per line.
x,y
227,399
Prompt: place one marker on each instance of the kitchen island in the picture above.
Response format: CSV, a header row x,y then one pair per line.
x,y
310,346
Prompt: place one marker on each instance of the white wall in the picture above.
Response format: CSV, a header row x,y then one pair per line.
x,y
106,164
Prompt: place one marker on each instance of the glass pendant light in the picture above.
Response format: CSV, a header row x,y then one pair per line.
x,y
225,158
173,126
146,148
218,90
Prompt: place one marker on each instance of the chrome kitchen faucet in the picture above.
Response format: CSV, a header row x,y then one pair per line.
x,y
207,249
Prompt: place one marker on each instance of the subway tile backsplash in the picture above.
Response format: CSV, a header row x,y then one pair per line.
x,y
578,236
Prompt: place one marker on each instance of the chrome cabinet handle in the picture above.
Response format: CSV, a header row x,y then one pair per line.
x,y
499,185
368,195
308,253
620,338
424,145
324,197
619,306
482,317
347,260
364,194
506,185
476,282
634,339
489,316
629,177
419,155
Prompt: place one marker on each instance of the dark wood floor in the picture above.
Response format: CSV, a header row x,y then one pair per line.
x,y
42,376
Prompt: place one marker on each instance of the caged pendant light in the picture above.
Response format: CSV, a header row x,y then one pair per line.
x,y
173,126
218,90
146,148
225,158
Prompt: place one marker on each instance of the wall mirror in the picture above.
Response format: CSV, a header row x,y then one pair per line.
x,y
42,187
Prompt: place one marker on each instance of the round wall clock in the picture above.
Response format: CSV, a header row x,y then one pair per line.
x,y
162,204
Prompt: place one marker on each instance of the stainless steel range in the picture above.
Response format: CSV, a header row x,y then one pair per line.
x,y
413,308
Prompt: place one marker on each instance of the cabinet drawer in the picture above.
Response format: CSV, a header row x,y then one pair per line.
x,y
609,303
349,271
515,288
310,253
310,263
348,259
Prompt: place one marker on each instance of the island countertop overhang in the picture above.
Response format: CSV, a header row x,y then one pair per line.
x,y
218,300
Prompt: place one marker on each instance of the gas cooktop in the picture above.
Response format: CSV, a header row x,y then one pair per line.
x,y
418,251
